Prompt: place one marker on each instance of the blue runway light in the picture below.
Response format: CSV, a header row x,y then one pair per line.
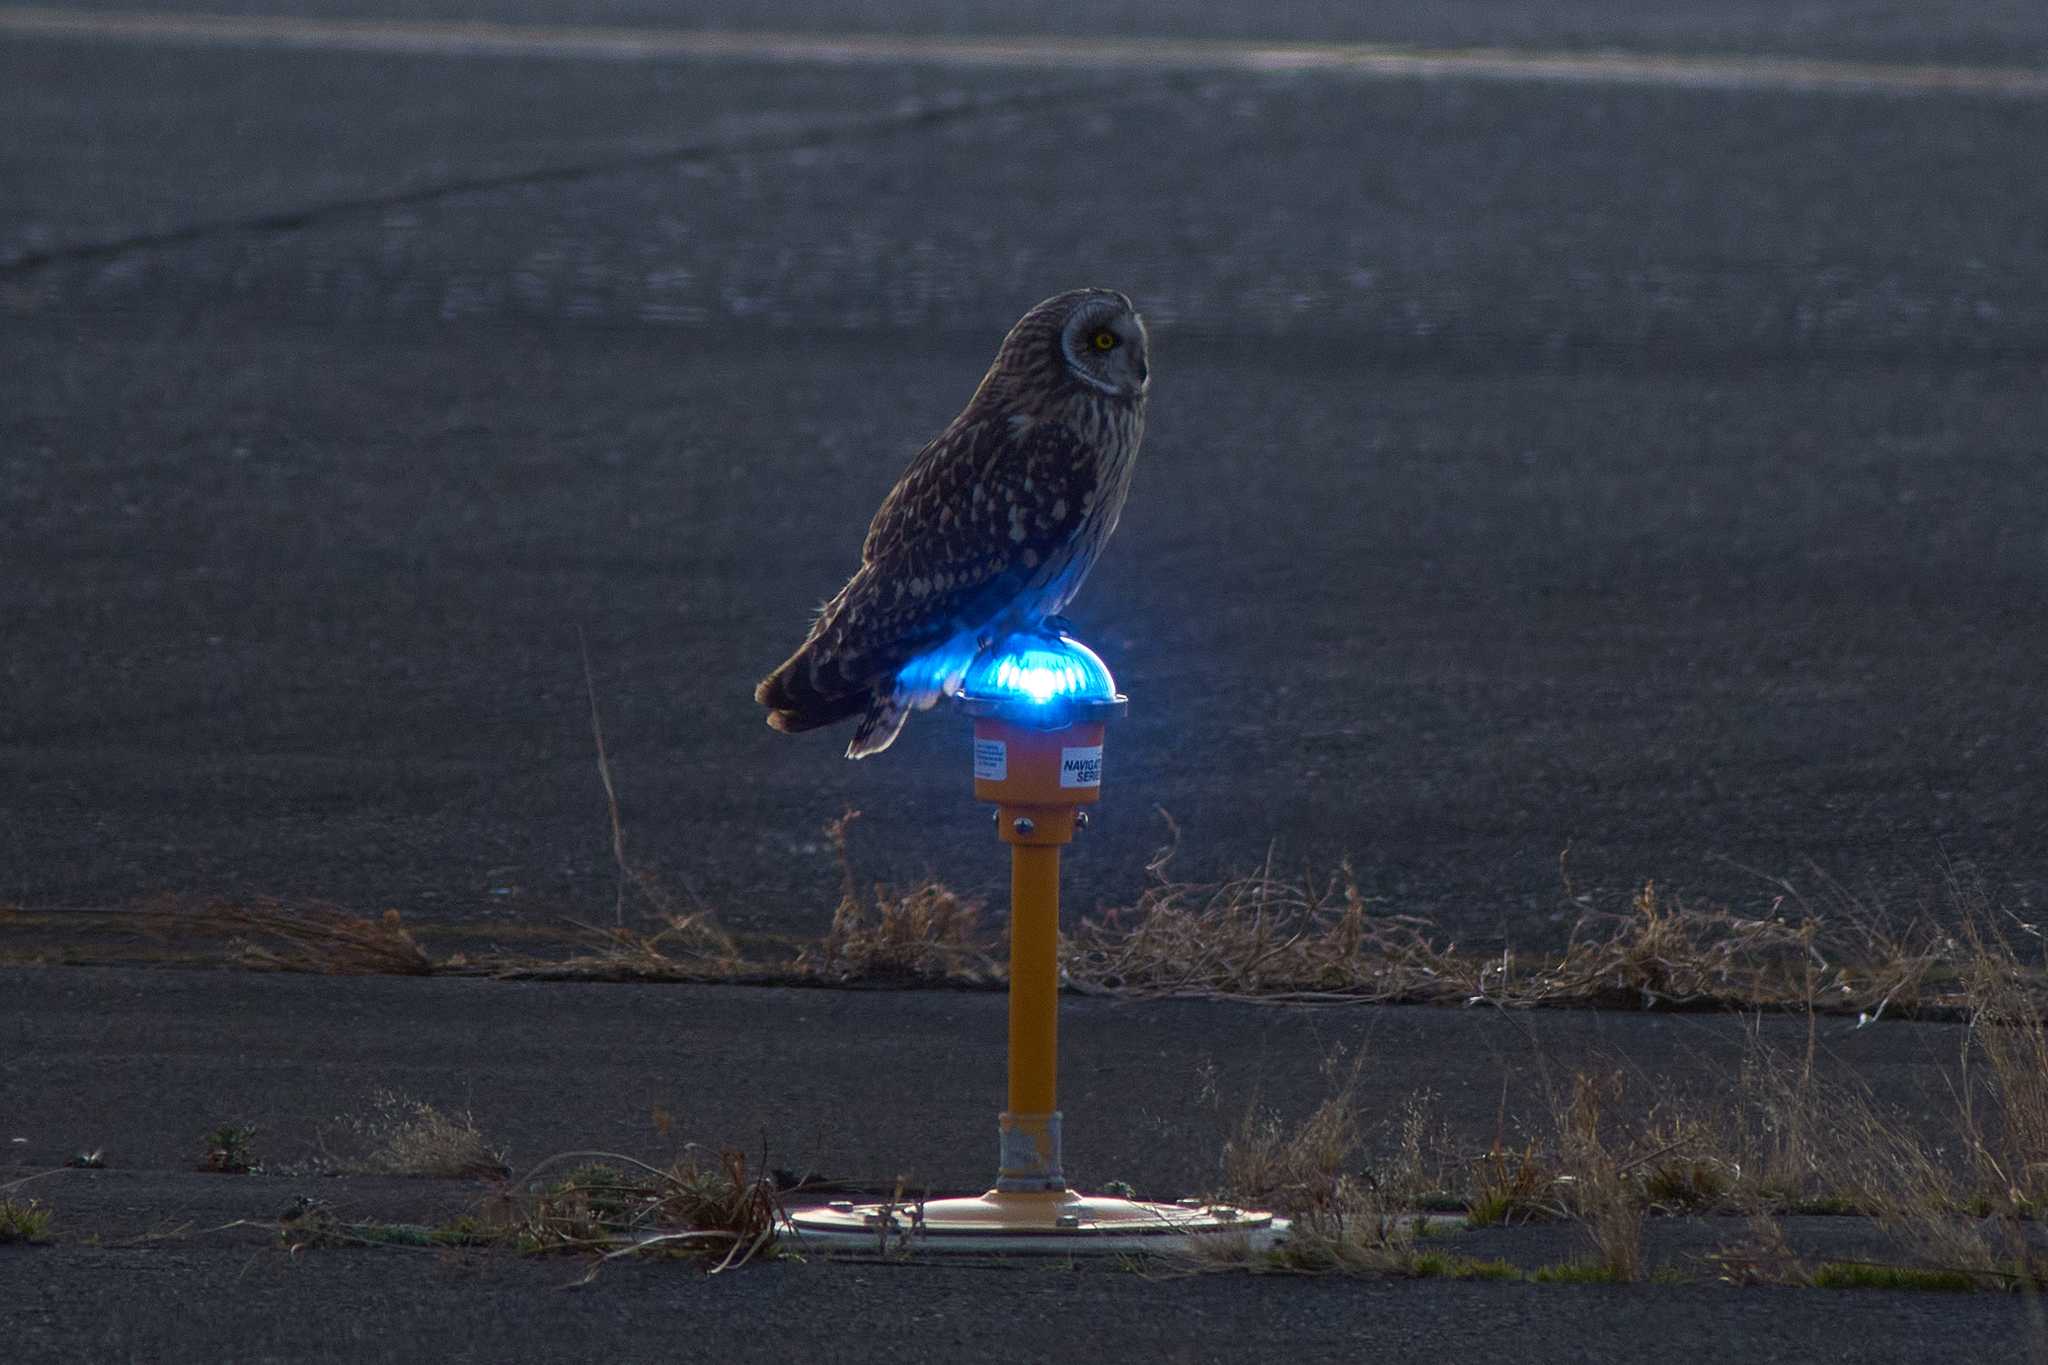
x,y
1041,679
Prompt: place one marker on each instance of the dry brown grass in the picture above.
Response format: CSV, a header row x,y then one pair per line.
x,y
602,1205
1782,1140
1293,1168
1352,1217
612,1206
1344,1220
271,935
1266,936
1274,937
406,1136
1957,1197
1760,1256
1261,936
1597,1178
2007,1133
687,947
924,934
1508,1185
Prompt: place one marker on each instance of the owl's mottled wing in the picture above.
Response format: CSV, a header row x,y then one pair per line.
x,y
971,526
983,516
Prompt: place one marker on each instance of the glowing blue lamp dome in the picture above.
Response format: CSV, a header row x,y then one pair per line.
x,y
1041,679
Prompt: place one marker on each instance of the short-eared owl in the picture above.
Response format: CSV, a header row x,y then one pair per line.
x,y
990,530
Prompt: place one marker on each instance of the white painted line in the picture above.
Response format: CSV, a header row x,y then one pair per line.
x,y
1355,59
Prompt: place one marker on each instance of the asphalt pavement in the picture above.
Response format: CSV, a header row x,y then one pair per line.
x,y
860,1086
1618,461
259,1306
869,1088
1648,471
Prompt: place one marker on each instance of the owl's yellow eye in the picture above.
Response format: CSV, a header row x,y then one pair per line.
x,y
1104,340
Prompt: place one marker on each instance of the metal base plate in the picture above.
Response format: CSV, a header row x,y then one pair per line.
x,y
1057,1223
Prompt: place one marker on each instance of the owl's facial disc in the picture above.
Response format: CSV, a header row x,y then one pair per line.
x,y
1105,345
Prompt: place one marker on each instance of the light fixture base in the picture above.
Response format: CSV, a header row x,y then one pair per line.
x,y
1048,1223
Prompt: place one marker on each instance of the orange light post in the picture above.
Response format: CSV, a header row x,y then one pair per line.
x,y
1039,713
1040,703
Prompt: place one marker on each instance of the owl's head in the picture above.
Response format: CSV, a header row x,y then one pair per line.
x,y
1092,336
1102,342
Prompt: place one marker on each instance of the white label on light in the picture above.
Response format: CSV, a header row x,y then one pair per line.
x,y
1081,767
992,760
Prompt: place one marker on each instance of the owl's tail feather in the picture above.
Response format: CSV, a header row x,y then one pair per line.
x,y
797,703
880,726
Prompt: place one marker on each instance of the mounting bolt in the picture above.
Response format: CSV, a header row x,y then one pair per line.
x,y
1024,825
1080,819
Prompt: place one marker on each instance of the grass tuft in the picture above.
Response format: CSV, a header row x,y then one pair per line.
x,y
412,1137
1864,1275
1439,1265
1688,1184
689,946
24,1220
926,933
611,1206
598,1204
1578,1272
1509,1187
2008,1137
1343,1221
269,935
1596,1179
231,1150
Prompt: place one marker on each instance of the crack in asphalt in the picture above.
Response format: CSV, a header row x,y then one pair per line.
x,y
1176,60
923,115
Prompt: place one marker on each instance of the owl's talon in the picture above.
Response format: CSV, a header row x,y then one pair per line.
x,y
1056,625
